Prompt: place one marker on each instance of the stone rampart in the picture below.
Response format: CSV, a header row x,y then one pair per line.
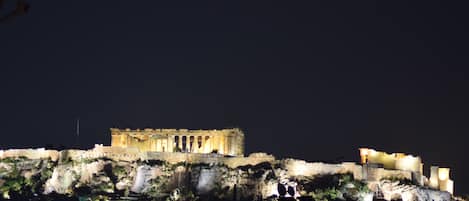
x,y
252,159
376,174
177,157
369,173
300,167
294,167
72,154
132,154
232,162
40,153
399,161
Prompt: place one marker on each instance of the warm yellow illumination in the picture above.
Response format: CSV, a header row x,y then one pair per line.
x,y
399,161
434,177
225,141
447,185
450,186
372,152
439,179
434,183
443,174
364,154
409,163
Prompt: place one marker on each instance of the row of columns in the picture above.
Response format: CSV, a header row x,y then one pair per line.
x,y
195,144
200,144
180,143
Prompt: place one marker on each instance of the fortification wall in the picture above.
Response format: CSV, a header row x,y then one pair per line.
x,y
369,173
115,153
409,163
232,162
40,153
398,161
294,167
177,157
252,159
376,174
300,167
133,154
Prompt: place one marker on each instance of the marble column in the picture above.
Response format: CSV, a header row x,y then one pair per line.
x,y
180,143
213,141
202,148
221,146
208,144
157,145
169,144
225,145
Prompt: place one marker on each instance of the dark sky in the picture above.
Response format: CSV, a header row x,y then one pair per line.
x,y
312,81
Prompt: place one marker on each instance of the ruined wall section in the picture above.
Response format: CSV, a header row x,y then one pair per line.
x,y
301,167
365,172
134,154
40,153
294,167
397,161
377,174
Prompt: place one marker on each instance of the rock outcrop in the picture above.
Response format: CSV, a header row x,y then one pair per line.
x,y
104,178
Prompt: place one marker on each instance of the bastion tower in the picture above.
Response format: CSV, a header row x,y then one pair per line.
x,y
224,141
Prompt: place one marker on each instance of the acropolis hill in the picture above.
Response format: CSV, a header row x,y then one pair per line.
x,y
182,164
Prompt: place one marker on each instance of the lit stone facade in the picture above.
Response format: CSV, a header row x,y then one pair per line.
x,y
182,145
224,141
397,161
439,177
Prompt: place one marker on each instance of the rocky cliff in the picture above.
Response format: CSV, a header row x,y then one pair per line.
x,y
107,179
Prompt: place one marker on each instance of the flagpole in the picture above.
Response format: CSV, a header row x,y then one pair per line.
x,y
77,133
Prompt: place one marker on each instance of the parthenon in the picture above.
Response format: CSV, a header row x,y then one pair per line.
x,y
224,141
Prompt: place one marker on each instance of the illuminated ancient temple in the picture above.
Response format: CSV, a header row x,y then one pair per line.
x,y
224,141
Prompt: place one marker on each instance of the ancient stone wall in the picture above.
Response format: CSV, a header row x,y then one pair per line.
x,y
398,161
440,179
173,158
29,153
300,167
377,174
367,172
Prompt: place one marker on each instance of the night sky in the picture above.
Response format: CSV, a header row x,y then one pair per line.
x,y
311,81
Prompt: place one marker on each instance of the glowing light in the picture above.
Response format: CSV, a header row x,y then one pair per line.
x,y
450,186
299,169
364,154
443,174
434,182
